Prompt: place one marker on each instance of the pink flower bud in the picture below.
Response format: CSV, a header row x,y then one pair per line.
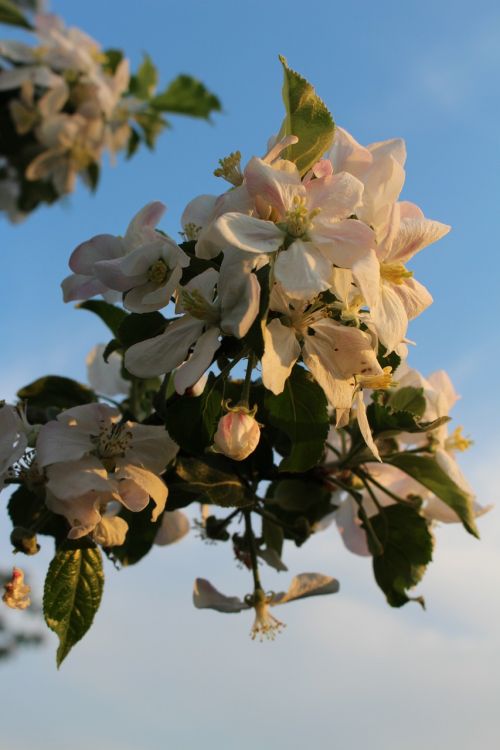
x,y
238,434
17,592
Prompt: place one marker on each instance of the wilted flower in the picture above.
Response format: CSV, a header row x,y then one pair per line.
x,y
17,593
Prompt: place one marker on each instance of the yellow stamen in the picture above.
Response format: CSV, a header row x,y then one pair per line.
x,y
298,219
196,305
377,381
457,442
230,169
396,273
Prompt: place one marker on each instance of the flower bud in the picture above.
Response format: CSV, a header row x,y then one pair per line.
x,y
238,434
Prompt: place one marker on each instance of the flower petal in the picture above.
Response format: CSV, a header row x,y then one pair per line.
x,y
281,351
307,584
206,596
248,233
174,527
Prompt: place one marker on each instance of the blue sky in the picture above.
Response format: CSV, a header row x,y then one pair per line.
x,y
154,672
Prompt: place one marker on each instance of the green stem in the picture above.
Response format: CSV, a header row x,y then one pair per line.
x,y
245,393
253,549
366,477
277,522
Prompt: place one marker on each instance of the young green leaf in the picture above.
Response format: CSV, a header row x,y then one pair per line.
x,y
110,315
301,413
427,471
57,392
408,399
143,83
72,594
407,549
308,118
187,96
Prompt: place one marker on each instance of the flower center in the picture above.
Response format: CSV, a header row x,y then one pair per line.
x,y
298,219
159,273
113,440
265,624
396,273
191,232
196,305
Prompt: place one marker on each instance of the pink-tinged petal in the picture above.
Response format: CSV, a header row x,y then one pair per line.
x,y
39,75
199,212
143,224
337,196
188,373
307,584
364,425
414,235
72,479
100,247
111,276
78,287
414,297
136,485
349,526
281,351
342,350
347,155
164,352
366,272
206,596
303,270
322,168
151,447
239,296
343,242
389,317
248,233
273,186
110,532
57,442
174,527
137,262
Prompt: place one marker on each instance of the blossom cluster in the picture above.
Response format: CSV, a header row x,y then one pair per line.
x,y
262,365
64,103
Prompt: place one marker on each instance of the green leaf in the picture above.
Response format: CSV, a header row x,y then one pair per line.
x,y
273,535
407,549
187,96
72,594
56,391
408,399
308,118
301,413
139,327
133,142
110,315
427,471
296,495
221,487
192,421
143,83
10,14
113,59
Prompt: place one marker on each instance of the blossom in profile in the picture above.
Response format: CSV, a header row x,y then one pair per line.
x,y
174,526
266,625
